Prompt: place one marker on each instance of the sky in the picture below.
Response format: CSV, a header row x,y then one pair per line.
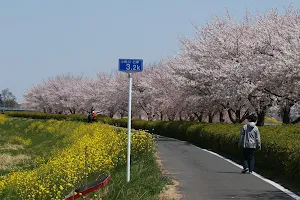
x,y
43,39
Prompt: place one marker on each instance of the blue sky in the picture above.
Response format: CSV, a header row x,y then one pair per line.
x,y
42,39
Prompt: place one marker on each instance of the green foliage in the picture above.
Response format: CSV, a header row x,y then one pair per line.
x,y
18,136
146,181
57,152
280,144
35,115
7,98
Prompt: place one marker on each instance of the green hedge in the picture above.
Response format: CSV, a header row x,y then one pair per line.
x,y
39,115
280,154
35,115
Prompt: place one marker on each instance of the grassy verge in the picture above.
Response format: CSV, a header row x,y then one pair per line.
x,y
45,159
23,146
146,181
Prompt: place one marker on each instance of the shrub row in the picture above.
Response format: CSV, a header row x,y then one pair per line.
x,y
39,115
280,154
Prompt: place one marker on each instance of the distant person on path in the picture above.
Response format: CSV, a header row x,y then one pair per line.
x,y
249,141
90,117
94,115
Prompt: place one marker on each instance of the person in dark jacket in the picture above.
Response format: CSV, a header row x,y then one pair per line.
x,y
90,117
249,141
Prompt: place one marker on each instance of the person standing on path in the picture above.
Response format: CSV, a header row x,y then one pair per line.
x,y
249,141
94,115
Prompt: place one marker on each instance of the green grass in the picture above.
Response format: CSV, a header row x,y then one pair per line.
x,y
16,141
26,148
146,181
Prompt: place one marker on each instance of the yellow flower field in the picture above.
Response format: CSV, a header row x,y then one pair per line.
x,y
3,119
92,150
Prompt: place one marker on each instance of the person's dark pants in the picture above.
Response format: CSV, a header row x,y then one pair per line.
x,y
248,158
89,119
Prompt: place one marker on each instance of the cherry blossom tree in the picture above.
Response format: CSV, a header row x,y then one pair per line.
x,y
229,69
59,94
211,66
144,94
234,64
36,99
278,44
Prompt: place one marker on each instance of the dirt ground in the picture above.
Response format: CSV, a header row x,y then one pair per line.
x,y
170,192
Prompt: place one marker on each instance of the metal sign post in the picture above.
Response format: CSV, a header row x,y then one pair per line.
x,y
129,129
130,66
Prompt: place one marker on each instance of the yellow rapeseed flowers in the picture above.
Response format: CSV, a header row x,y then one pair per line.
x,y
94,149
3,119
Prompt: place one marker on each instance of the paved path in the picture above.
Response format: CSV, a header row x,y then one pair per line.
x,y
204,176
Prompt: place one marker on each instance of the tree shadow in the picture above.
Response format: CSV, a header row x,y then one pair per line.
x,y
263,195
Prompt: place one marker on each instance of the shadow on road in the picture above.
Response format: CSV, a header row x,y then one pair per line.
x,y
265,195
160,138
203,175
231,173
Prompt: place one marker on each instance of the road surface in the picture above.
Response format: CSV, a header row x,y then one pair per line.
x,y
205,176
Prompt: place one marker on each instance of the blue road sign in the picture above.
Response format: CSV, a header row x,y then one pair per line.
x,y
130,65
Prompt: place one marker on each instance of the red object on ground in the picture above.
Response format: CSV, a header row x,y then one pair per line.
x,y
91,188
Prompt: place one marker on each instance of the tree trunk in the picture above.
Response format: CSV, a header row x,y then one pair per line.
x,y
221,117
171,117
237,113
199,116
285,113
211,117
296,121
230,116
180,117
72,110
238,116
191,117
150,116
261,118
261,114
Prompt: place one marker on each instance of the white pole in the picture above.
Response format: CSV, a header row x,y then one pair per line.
x,y
129,128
